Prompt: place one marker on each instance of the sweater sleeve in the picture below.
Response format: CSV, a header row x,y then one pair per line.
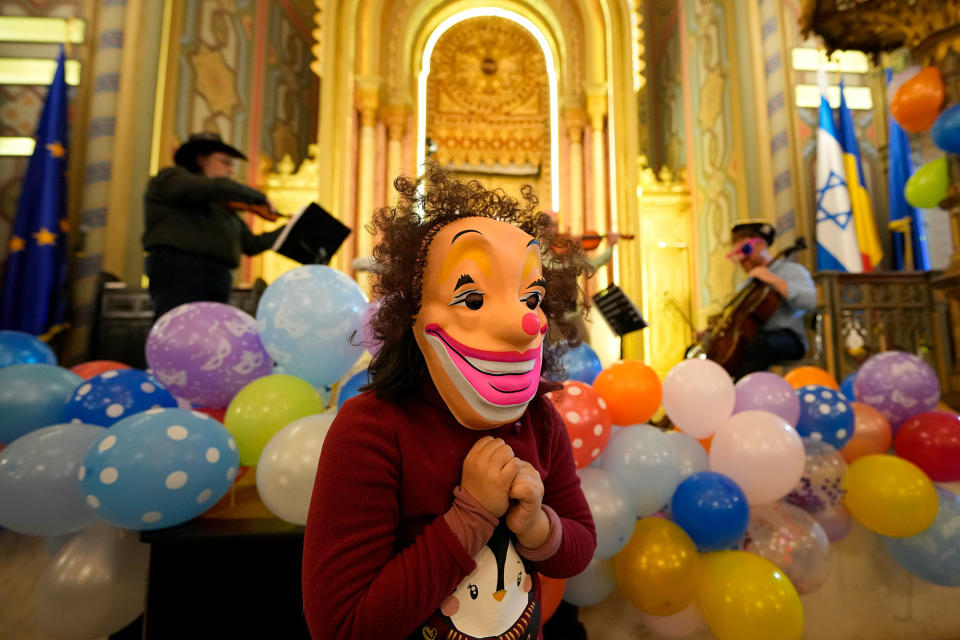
x,y
356,583
801,291
562,493
253,244
179,186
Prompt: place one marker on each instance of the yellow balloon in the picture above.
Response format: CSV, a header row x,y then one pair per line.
x,y
659,568
745,597
265,406
890,496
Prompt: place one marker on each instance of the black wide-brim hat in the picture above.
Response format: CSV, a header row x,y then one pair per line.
x,y
199,144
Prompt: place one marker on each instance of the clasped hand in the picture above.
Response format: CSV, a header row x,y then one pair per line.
x,y
504,484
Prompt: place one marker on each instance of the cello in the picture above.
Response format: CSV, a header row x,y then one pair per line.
x,y
741,319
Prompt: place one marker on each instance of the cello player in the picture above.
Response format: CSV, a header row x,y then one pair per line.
x,y
784,337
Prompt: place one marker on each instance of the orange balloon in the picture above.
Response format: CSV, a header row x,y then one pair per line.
x,y
707,442
943,406
631,391
802,376
871,433
87,370
916,104
551,593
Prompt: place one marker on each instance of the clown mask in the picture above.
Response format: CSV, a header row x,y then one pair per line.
x,y
480,326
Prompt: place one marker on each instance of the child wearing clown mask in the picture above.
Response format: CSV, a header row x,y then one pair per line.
x,y
449,486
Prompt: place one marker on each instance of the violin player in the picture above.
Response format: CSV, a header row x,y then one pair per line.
x,y
193,236
783,338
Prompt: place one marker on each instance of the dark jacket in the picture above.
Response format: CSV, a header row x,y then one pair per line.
x,y
184,211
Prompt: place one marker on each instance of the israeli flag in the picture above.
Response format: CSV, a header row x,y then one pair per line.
x,y
837,247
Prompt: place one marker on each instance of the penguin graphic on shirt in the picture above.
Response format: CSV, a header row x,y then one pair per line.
x,y
497,601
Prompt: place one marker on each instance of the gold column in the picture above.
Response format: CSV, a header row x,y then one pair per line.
x,y
367,99
597,111
575,119
395,116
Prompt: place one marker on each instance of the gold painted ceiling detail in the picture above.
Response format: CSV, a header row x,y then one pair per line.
x,y
488,96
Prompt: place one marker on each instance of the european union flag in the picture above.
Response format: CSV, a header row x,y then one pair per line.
x,y
34,298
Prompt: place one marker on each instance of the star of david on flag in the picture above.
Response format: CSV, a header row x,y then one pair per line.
x,y
837,246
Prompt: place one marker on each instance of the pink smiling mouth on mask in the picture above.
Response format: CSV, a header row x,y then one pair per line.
x,y
500,377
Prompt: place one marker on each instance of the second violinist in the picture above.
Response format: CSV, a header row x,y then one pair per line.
x,y
194,237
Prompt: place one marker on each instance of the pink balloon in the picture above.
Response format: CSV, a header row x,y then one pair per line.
x,y
366,332
836,521
765,391
698,396
761,453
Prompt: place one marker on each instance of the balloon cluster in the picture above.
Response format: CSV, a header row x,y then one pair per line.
x,y
916,99
98,450
726,519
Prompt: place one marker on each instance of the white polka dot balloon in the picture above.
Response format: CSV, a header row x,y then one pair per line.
x,y
114,395
825,415
158,468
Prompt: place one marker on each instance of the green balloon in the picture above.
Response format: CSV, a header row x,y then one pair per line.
x,y
928,185
264,407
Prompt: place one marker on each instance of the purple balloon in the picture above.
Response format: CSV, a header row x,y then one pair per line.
x,y
366,333
836,521
897,384
205,352
764,391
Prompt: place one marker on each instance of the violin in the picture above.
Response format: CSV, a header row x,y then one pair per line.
x,y
741,319
588,241
262,210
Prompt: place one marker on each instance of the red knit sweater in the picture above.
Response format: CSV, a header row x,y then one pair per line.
x,y
380,560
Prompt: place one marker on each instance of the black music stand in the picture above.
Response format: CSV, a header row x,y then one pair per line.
x,y
619,311
312,236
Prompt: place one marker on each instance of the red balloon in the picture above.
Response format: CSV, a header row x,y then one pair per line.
x,y
87,370
932,442
551,593
586,419
216,414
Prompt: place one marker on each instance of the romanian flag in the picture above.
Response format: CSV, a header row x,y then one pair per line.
x,y
837,247
34,296
867,237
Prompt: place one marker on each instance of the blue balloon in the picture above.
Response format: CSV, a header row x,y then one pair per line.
x,y
614,515
643,459
17,347
39,494
351,387
946,130
592,585
159,468
712,509
933,555
114,395
309,319
582,364
846,387
825,415
32,396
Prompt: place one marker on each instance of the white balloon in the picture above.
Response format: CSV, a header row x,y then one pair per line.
x,y
612,510
592,585
690,454
761,453
288,465
95,585
698,395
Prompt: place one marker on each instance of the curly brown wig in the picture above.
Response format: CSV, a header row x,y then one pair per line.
x,y
405,232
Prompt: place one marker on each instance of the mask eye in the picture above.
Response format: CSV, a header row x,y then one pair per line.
x,y
471,299
474,592
532,299
519,578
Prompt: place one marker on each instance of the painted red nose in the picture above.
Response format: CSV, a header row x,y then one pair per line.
x,y
530,324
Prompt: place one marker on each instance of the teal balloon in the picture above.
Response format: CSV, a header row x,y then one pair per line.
x,y
934,554
39,491
928,185
18,347
946,130
33,396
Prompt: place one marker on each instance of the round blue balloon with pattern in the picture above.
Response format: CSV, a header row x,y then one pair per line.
x,y
107,398
17,347
825,415
159,468
351,387
934,554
